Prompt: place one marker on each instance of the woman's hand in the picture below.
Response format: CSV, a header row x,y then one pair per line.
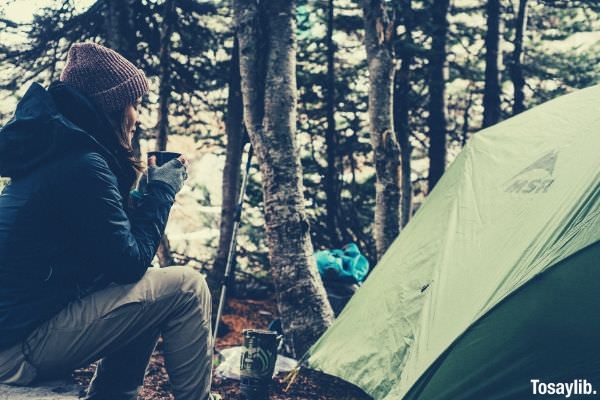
x,y
173,173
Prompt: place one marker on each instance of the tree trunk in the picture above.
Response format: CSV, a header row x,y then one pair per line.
x,y
379,31
491,92
164,99
120,28
402,111
466,119
266,34
164,90
437,112
332,187
516,67
121,36
164,253
231,173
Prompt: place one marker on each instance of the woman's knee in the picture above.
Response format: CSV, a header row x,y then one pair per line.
x,y
194,282
190,281
193,290
177,280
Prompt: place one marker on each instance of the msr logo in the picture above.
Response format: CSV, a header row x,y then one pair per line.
x,y
536,178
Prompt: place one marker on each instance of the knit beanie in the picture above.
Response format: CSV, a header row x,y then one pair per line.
x,y
104,75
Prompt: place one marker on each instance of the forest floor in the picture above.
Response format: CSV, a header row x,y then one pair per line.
x,y
240,315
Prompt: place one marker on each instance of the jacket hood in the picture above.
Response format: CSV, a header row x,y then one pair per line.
x,y
47,123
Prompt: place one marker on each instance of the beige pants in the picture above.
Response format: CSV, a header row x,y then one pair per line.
x,y
120,326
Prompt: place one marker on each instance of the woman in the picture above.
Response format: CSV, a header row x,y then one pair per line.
x,y
74,255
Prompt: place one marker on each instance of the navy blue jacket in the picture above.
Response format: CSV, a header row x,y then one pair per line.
x,y
65,227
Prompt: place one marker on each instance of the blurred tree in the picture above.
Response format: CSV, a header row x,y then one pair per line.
x,y
466,57
164,67
402,103
437,112
516,66
120,36
266,34
332,181
491,92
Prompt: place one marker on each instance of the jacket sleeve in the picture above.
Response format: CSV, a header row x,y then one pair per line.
x,y
121,246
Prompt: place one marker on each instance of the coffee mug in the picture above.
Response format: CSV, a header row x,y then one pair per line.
x,y
163,156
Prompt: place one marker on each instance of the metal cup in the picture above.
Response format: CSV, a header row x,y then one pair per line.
x,y
163,156
257,363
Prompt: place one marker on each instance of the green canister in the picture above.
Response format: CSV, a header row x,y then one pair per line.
x,y
257,363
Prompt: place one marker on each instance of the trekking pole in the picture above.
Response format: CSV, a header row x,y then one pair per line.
x,y
229,270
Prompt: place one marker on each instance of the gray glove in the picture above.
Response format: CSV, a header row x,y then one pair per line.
x,y
173,173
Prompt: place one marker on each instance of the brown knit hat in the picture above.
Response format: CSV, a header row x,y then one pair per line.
x,y
107,77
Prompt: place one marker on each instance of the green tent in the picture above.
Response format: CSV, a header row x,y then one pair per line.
x,y
496,280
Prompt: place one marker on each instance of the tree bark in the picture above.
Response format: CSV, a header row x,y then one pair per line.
x,y
266,34
332,187
120,32
491,92
379,31
516,67
164,90
466,119
437,112
120,28
402,111
231,172
163,253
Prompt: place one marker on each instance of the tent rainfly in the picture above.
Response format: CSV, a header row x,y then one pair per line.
x,y
492,291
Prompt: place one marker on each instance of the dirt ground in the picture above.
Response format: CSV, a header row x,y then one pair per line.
x,y
239,315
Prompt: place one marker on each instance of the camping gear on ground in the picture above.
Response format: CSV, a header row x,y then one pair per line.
x,y
163,156
229,270
342,270
257,363
494,282
344,265
229,363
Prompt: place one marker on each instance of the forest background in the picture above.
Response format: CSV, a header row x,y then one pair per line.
x,y
386,94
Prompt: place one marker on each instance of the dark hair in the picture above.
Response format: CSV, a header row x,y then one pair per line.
x,y
118,122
